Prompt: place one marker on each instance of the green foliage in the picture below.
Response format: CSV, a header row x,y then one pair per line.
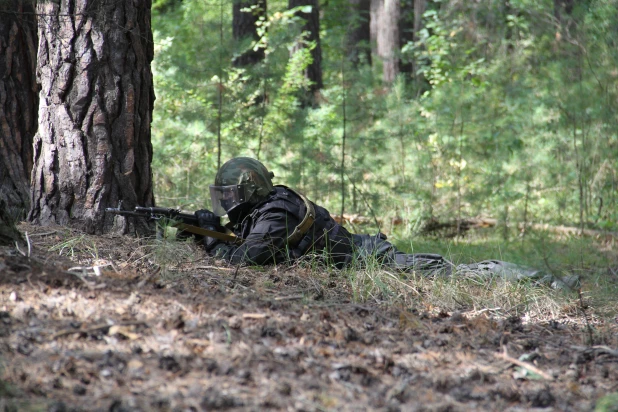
x,y
607,403
511,112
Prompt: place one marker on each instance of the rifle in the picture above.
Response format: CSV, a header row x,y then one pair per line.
x,y
187,222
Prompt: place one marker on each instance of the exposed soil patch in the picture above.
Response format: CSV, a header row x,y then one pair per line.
x,y
204,336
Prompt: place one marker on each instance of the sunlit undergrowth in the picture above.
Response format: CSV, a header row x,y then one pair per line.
x,y
539,250
168,261
595,264
449,294
371,282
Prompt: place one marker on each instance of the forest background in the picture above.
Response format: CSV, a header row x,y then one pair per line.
x,y
441,110
406,113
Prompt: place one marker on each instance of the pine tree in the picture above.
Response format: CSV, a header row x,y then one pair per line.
x,y
18,103
93,147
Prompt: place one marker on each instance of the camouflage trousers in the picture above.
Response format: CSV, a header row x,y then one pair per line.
x,y
429,264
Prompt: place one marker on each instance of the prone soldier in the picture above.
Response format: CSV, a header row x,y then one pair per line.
x,y
279,224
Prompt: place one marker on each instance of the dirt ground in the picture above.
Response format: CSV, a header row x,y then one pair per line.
x,y
91,323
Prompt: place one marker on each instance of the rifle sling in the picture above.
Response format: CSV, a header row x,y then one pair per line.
x,y
305,224
209,233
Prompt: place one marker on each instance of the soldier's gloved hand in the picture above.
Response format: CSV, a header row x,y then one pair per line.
x,y
207,219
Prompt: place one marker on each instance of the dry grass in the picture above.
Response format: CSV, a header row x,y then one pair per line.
x,y
169,261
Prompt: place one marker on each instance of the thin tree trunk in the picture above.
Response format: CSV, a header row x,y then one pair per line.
x,y
18,103
244,26
505,227
580,183
343,141
406,32
419,9
526,199
562,7
220,87
358,39
459,176
434,179
93,147
313,72
386,14
375,11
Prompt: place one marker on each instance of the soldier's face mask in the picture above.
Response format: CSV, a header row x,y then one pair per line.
x,y
225,198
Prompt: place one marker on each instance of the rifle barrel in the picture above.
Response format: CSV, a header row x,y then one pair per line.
x,y
157,210
150,212
185,221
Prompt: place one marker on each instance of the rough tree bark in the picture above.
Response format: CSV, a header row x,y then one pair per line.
x,y
313,72
93,146
18,103
358,39
385,30
244,27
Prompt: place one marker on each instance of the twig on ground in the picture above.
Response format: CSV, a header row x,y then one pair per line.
x,y
504,355
597,350
293,297
583,310
142,282
94,329
96,269
90,285
25,254
214,267
29,245
234,277
44,234
255,315
488,310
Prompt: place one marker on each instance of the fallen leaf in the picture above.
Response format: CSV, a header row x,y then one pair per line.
x,y
254,316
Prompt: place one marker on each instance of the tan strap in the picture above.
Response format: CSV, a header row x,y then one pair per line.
x,y
210,233
293,240
305,224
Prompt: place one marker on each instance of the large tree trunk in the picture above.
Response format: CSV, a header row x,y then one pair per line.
x,y
244,26
385,31
358,39
18,103
313,72
93,147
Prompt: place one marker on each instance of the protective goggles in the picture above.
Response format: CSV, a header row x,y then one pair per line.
x,y
224,198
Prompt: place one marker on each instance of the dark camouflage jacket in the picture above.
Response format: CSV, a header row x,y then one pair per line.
x,y
267,225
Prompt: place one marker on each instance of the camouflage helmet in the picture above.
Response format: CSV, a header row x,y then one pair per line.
x,y
241,180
